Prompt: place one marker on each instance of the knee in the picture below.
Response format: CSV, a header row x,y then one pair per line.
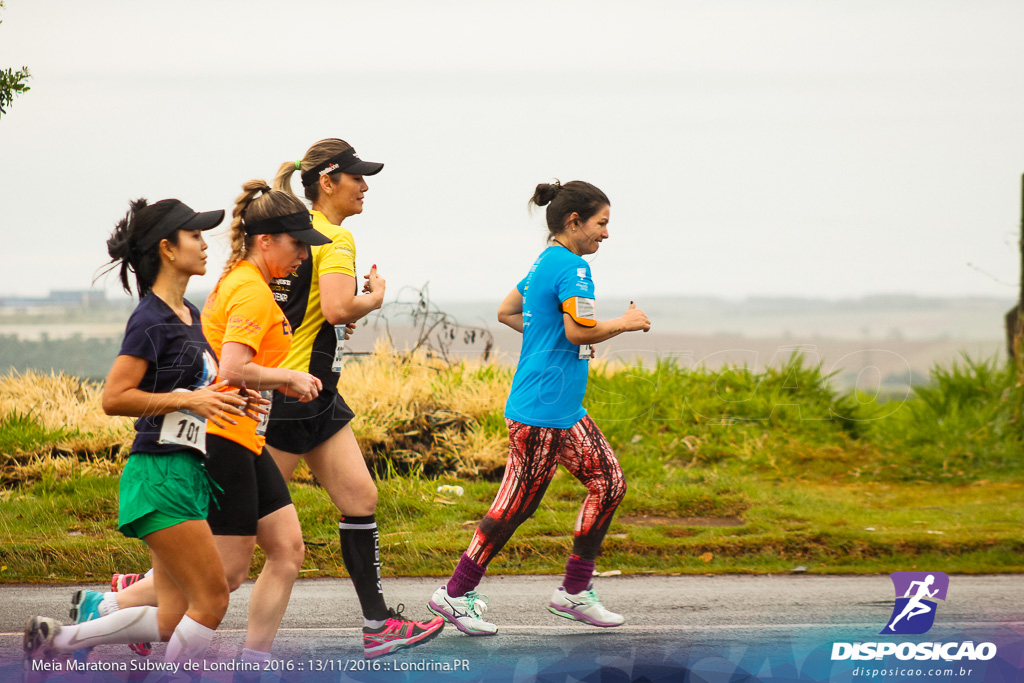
x,y
293,554
298,554
368,497
287,554
609,491
218,605
618,491
235,577
363,501
213,600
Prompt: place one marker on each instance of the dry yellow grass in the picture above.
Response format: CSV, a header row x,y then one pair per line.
x,y
60,400
411,410
473,452
416,410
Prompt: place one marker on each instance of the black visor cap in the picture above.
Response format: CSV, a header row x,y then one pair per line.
x,y
343,162
180,217
299,225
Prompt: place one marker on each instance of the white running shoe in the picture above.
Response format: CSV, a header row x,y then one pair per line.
x,y
464,613
583,606
38,639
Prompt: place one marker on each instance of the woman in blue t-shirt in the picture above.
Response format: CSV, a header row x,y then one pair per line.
x,y
553,307
164,376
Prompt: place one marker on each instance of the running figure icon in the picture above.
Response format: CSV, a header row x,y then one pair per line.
x,y
915,606
916,595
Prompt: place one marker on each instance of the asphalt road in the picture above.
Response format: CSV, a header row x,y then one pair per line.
x,y
766,625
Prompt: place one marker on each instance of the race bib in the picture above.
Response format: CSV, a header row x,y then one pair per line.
x,y
339,348
261,426
184,428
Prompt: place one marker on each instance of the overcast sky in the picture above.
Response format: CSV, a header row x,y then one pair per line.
x,y
764,148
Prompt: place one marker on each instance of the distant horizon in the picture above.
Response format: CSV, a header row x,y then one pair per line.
x,y
881,297
877,316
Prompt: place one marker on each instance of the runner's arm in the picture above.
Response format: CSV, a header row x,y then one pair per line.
x,y
631,321
510,312
338,299
236,367
122,396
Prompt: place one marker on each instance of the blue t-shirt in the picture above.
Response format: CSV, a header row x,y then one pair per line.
x,y
551,378
179,358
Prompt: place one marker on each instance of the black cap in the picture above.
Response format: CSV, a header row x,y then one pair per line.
x,y
179,217
343,162
299,225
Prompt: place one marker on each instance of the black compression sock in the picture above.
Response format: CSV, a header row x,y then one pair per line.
x,y
360,551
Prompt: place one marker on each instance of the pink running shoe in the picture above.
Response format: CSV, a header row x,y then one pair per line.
x,y
118,582
398,632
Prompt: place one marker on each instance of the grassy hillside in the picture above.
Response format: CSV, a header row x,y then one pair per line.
x,y
728,471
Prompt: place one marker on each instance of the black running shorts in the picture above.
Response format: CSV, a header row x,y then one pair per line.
x,y
253,487
300,427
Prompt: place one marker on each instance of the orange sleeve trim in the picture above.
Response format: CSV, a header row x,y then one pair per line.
x,y
580,310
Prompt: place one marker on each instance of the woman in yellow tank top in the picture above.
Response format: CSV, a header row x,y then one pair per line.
x,y
321,298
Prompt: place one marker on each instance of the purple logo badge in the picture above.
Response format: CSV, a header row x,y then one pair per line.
x,y
916,592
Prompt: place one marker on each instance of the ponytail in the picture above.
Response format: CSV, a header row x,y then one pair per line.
x,y
283,179
240,242
256,203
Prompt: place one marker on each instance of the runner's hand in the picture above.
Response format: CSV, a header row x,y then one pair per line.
x,y
215,405
374,283
634,319
349,329
254,403
301,385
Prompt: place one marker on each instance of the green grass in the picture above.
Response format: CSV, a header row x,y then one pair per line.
x,y
63,531
834,483
23,432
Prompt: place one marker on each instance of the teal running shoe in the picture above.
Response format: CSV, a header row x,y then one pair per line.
x,y
85,606
584,607
465,613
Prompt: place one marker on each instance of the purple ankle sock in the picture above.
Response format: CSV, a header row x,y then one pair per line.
x,y
578,574
466,577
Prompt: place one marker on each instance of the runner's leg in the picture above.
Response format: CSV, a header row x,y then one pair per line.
x,y
339,466
192,585
532,460
590,459
280,537
189,576
587,455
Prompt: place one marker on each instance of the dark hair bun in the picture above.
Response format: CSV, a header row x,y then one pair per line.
x,y
121,241
545,193
117,244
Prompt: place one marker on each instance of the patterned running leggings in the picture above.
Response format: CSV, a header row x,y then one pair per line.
x,y
534,455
